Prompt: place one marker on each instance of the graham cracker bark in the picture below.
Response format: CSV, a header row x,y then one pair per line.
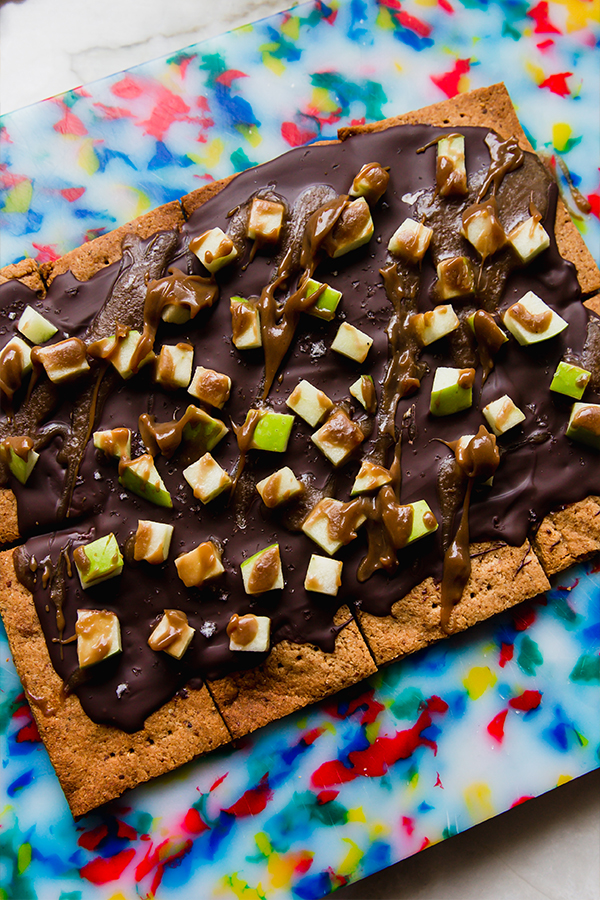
x,y
96,763
293,676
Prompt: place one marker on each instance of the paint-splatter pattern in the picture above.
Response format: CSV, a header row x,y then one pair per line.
x,y
430,746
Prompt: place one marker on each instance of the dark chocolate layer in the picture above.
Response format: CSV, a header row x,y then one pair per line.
x,y
540,469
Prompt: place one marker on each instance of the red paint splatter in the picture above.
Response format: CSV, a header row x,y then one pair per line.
x,y
594,201
113,112
543,25
526,701
295,136
438,781
506,654
126,831
390,4
408,825
8,180
303,865
423,29
219,781
558,84
522,799
128,88
252,801
23,711
360,121
524,619
384,752
229,76
449,81
203,104
101,871
89,840
326,797
46,252
193,822
72,194
311,736
496,726
169,108
425,844
545,45
28,734
70,125
447,7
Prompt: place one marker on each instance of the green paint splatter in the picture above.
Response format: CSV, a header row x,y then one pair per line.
x,y
449,831
586,670
346,92
70,895
509,31
407,704
240,161
564,611
529,657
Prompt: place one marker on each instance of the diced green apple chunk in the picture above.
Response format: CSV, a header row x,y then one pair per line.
x,y
17,350
455,277
265,220
309,403
21,463
203,431
570,380
35,327
528,239
152,542
280,487
369,478
423,522
451,171
530,320
174,365
338,437
245,324
452,390
173,634
482,229
201,564
434,324
63,361
327,302
323,575
272,432
319,525
584,424
141,477
263,572
371,182
363,390
98,561
353,229
352,342
410,241
210,387
207,478
98,636
261,640
502,415
114,442
214,249
121,351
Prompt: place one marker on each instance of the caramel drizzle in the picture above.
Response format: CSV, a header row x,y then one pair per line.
x,y
11,372
489,340
242,629
166,437
506,156
177,622
244,434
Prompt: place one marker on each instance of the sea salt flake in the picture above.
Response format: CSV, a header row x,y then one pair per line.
x,y
208,629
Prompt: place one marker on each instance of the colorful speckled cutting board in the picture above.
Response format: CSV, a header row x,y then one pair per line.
x,y
432,745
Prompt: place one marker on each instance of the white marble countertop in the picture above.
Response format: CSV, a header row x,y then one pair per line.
x,y
546,848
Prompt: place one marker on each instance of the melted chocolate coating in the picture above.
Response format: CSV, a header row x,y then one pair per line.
x,y
539,469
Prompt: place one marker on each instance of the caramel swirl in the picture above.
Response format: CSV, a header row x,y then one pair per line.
x,y
242,629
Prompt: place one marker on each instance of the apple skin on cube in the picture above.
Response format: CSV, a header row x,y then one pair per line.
x,y
323,575
529,239
98,636
434,324
535,307
352,342
98,561
35,327
152,542
410,241
570,380
172,632
204,432
141,477
424,521
20,468
363,390
272,580
114,442
328,301
272,432
280,487
260,642
207,478
502,415
201,564
309,403
584,424
214,249
448,394
121,357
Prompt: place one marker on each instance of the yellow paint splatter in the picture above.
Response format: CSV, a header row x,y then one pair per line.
x,y
477,682
242,890
464,84
414,780
353,857
281,871
87,158
18,199
251,134
561,132
263,843
291,28
536,72
580,15
23,857
563,779
372,730
322,100
398,67
356,815
478,800
212,157
118,896
384,19
143,202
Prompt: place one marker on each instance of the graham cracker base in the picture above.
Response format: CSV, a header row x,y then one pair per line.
x,y
293,676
